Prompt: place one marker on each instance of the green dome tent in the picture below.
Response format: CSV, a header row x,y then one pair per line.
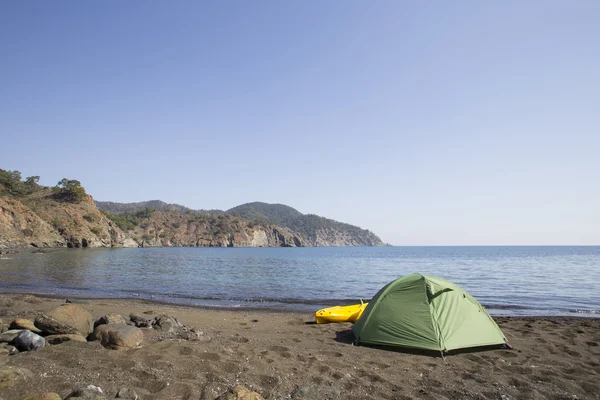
x,y
426,312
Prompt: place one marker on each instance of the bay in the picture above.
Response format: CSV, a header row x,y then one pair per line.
x,y
507,280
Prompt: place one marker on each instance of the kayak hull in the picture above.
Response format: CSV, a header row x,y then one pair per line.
x,y
340,314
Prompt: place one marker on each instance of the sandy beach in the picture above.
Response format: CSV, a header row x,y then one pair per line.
x,y
284,355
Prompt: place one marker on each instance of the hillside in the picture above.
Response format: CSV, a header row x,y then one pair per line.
x,y
312,229
158,205
66,216
166,228
315,230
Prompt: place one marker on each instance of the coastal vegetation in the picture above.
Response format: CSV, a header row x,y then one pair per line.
x,y
69,190
11,183
158,205
128,220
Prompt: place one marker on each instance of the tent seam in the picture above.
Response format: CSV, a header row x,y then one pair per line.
x,y
434,319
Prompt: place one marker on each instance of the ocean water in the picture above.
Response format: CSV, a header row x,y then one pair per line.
x,y
552,280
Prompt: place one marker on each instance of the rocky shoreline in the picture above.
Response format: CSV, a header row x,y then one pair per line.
x,y
103,349
72,323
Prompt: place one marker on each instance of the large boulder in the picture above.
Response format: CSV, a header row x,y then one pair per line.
x,y
28,341
58,339
21,323
51,326
66,319
110,319
118,336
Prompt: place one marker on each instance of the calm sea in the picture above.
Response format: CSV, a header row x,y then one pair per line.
x,y
506,280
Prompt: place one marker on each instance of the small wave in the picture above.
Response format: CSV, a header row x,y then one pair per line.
x,y
505,307
578,311
255,300
12,285
328,302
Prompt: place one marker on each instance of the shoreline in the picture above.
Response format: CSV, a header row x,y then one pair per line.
x,y
585,314
150,302
282,354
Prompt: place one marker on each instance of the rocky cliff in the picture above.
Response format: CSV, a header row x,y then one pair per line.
x,y
66,216
308,229
38,220
20,226
163,228
335,237
314,230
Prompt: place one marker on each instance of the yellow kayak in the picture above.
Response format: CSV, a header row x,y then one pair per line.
x,y
340,313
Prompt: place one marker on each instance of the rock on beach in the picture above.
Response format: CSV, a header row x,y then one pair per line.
x,y
118,336
139,321
9,336
58,339
166,324
66,319
21,323
110,319
28,341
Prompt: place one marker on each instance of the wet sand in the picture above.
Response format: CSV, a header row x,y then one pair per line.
x,y
283,355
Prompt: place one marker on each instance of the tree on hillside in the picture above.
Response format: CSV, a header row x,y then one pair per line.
x,y
69,190
11,181
31,183
32,180
12,184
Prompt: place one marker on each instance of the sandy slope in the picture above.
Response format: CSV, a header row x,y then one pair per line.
x,y
281,356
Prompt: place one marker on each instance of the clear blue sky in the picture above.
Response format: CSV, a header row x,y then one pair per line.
x,y
429,123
